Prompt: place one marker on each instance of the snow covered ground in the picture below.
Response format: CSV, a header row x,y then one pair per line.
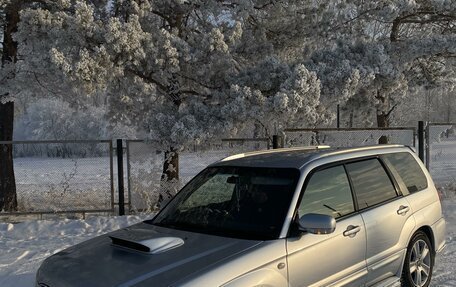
x,y
445,269
59,184
25,245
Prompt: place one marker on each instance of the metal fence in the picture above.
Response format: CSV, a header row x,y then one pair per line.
x,y
80,176
145,167
55,177
349,137
441,155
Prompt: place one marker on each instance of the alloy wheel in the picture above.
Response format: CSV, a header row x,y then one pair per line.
x,y
420,263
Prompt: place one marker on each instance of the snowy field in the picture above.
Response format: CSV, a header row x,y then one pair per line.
x,y
56,184
443,162
47,184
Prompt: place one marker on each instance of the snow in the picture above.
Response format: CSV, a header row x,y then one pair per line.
x,y
445,268
25,245
56,184
442,162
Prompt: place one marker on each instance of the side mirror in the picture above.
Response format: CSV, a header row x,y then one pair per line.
x,y
317,223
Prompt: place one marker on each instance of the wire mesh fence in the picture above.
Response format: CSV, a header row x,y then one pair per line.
x,y
145,168
350,137
80,176
55,177
441,155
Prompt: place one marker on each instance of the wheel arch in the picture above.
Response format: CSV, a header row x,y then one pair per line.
x,y
422,231
426,229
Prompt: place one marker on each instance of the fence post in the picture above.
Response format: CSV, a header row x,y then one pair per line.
x,y
338,116
120,177
421,140
427,144
111,174
277,141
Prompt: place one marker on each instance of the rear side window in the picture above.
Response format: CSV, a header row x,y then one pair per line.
x,y
408,169
371,183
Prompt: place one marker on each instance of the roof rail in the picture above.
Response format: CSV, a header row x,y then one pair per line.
x,y
343,150
304,148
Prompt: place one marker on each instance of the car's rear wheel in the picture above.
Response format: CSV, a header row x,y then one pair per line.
x,y
419,262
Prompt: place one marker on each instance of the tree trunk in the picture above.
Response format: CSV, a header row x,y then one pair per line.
x,y
382,122
8,198
350,122
170,175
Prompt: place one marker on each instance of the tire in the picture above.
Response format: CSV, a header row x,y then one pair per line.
x,y
419,262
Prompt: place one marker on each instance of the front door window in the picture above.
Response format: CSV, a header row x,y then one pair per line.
x,y
328,192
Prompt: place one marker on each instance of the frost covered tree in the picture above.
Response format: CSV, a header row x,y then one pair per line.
x,y
182,71
384,49
15,81
189,71
54,119
367,54
433,104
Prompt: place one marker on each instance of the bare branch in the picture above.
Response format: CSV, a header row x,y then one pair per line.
x,y
390,111
42,85
207,86
415,18
149,79
163,16
264,5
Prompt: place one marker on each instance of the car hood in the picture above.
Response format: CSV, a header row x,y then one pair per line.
x,y
138,254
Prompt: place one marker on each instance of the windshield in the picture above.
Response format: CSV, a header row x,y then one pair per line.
x,y
241,202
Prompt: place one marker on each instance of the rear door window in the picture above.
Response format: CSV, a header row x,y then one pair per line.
x,y
371,183
408,169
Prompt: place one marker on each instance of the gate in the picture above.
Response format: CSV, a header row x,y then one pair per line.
x,y
441,154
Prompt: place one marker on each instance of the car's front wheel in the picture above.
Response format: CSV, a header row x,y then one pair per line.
x,y
419,262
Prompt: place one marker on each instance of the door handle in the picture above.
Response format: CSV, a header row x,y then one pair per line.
x,y
351,231
403,210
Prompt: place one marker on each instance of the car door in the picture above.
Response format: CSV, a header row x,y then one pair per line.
x,y
387,218
336,258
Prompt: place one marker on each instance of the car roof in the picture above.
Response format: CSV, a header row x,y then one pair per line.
x,y
297,157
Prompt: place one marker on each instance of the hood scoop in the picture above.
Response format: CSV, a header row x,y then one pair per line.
x,y
149,246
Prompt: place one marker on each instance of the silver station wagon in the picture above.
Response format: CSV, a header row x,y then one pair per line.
x,y
312,216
